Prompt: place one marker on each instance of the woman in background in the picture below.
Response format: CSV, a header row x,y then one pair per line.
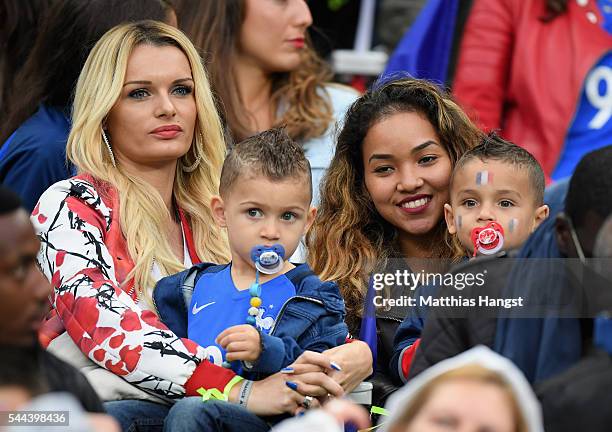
x,y
477,390
265,72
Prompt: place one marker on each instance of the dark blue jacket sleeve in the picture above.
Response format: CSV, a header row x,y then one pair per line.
x,y
29,169
533,344
304,326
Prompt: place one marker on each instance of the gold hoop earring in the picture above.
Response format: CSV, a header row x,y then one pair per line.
x,y
192,167
110,150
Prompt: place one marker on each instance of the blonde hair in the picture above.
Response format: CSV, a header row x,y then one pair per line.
x,y
142,212
472,372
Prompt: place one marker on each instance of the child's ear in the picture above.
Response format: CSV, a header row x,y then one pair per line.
x,y
541,214
310,218
218,209
450,219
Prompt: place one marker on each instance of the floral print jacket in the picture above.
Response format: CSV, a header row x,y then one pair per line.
x,y
84,255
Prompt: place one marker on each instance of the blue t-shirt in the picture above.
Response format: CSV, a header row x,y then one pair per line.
x,y
591,128
217,305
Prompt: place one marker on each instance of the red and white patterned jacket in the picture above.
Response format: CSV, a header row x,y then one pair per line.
x,y
84,255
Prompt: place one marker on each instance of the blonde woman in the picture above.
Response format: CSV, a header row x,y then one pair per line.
x,y
148,145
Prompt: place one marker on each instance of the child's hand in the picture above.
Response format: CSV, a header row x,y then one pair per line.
x,y
242,342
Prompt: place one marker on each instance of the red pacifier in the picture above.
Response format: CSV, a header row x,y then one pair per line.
x,y
488,240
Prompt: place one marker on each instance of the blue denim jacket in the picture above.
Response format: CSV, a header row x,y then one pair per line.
x,y
311,320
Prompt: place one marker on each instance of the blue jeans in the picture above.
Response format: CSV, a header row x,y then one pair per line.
x,y
191,414
188,414
138,415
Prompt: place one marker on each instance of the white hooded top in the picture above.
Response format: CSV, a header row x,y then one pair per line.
x,y
481,356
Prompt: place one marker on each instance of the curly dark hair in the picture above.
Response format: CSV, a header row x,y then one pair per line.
x,y
349,238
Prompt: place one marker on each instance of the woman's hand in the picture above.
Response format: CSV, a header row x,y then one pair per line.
x,y
355,360
352,363
312,372
286,391
271,396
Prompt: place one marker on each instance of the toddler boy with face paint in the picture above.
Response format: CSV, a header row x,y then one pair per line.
x,y
497,197
496,202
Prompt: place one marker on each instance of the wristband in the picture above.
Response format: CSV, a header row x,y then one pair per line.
x,y
216,394
245,392
241,392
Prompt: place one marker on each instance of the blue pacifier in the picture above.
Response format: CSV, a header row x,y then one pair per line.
x,y
268,259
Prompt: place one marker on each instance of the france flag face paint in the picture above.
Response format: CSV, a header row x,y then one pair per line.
x,y
483,178
458,222
512,225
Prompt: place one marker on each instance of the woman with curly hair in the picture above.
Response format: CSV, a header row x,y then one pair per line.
x,y
265,72
384,194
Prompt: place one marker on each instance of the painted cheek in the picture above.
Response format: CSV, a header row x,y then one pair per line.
x,y
513,225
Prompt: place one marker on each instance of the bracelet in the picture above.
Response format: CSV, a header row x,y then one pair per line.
x,y
245,392
216,394
242,393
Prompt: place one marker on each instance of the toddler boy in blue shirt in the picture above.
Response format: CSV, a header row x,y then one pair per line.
x,y
264,202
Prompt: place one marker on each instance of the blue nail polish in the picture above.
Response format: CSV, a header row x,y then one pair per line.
x,y
301,413
287,370
335,366
293,386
